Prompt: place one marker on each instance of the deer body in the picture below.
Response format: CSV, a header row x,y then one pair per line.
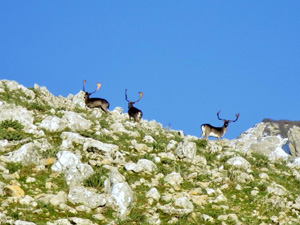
x,y
218,132
134,112
211,131
95,102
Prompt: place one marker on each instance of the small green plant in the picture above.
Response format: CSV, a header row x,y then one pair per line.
x,y
96,180
13,167
38,107
259,160
11,130
88,134
50,153
201,144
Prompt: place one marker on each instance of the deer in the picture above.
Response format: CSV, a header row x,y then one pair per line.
x,y
95,102
133,112
211,131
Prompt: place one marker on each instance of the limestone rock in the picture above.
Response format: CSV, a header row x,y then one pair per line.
x,y
121,195
27,154
294,141
182,206
239,162
148,139
14,86
18,113
174,179
22,222
143,165
45,97
75,171
171,145
70,119
140,147
263,138
184,203
276,189
186,149
78,99
153,193
14,191
89,144
59,198
80,195
53,124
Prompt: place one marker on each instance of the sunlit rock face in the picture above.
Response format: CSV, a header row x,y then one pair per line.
x,y
294,140
275,139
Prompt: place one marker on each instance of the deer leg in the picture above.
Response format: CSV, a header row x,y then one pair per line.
x,y
103,109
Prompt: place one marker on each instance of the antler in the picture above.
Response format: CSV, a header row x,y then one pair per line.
x,y
83,85
126,95
98,86
140,94
218,115
237,116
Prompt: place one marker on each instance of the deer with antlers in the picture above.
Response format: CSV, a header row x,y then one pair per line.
x,y
211,131
95,102
133,112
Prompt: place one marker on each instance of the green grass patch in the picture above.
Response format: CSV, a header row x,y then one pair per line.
x,y
13,167
97,179
11,130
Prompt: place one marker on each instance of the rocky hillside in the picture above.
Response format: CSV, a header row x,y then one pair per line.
x,y
62,163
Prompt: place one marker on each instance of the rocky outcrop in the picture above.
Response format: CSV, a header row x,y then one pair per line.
x,y
274,139
294,140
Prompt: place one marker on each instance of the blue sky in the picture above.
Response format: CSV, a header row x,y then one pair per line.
x,y
190,58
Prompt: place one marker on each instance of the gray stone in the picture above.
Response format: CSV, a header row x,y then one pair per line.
x,y
121,195
174,179
75,171
294,141
171,145
80,195
18,113
143,165
53,124
186,150
59,198
27,154
182,206
76,122
276,189
22,222
263,138
239,162
153,193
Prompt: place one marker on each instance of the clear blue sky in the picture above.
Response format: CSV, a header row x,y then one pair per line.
x,y
190,58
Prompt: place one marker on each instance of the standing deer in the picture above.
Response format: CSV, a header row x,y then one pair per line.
x,y
95,102
133,112
211,131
